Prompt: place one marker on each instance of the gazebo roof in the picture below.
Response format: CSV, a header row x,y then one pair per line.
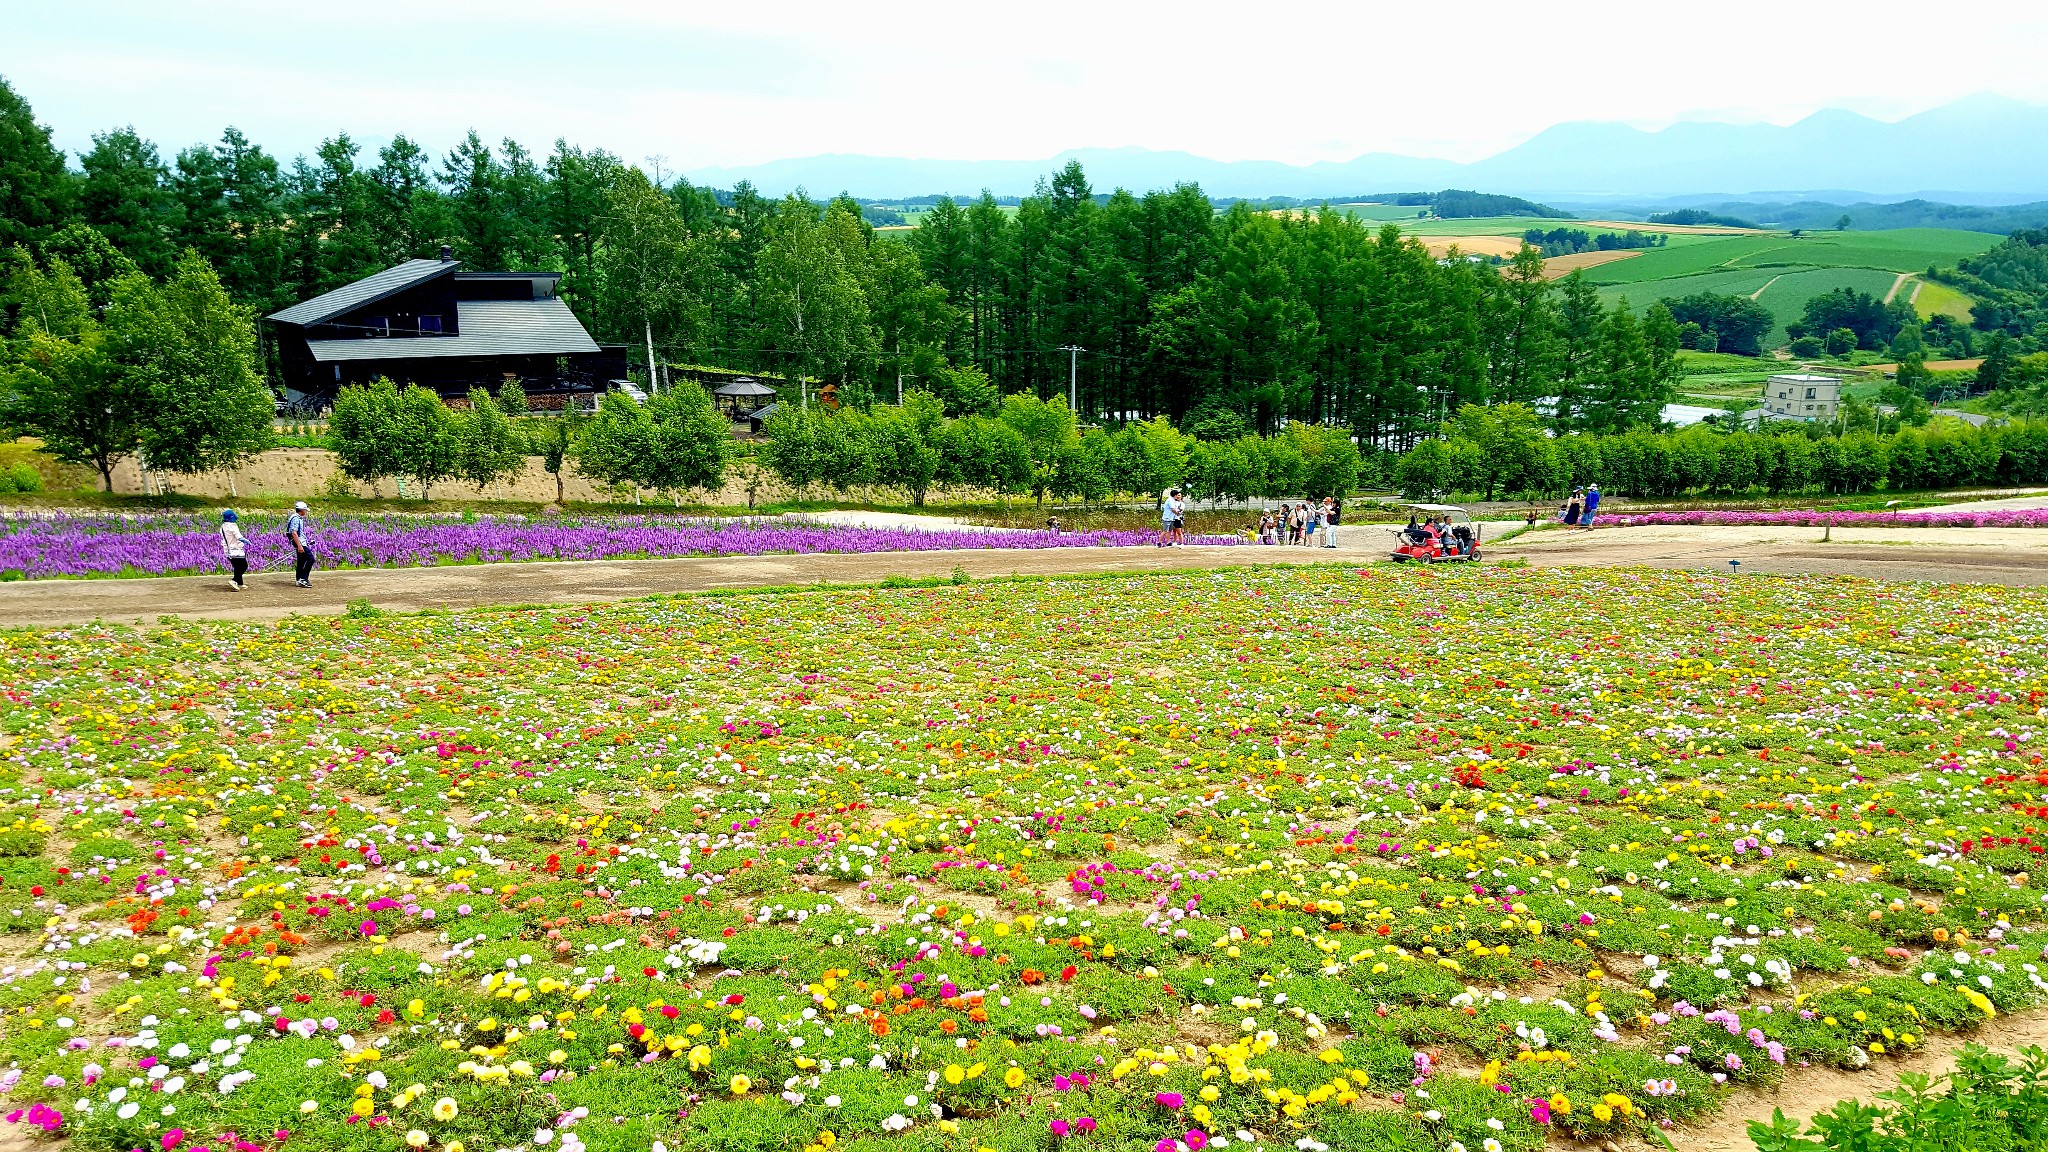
x,y
744,386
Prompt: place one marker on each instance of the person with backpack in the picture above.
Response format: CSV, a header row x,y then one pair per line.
x,y
235,548
298,529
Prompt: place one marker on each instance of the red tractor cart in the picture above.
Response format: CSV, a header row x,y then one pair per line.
x,y
1437,534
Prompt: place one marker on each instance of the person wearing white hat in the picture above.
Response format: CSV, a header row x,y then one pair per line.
x,y
298,528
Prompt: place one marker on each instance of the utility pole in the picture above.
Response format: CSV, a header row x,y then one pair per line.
x,y
1073,352
899,385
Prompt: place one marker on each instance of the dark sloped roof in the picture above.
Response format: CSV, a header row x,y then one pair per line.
x,y
368,290
743,387
488,328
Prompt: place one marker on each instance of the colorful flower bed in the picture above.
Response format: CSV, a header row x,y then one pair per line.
x,y
1278,860
1996,518
171,545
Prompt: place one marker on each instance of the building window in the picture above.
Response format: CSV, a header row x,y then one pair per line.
x,y
377,326
430,325
1812,393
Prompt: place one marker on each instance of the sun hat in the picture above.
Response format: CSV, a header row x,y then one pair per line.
x,y
227,515
300,506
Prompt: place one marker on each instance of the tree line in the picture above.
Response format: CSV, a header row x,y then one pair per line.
x,y
676,442
1309,317
1503,452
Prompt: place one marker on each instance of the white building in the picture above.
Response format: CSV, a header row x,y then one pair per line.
x,y
1801,396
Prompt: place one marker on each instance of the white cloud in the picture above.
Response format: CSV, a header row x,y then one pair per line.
x,y
724,84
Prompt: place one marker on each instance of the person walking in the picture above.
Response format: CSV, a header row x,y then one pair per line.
x,y
298,528
1165,517
1592,506
1332,515
1180,519
1571,509
234,548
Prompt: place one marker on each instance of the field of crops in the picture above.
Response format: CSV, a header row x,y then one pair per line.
x,y
1318,859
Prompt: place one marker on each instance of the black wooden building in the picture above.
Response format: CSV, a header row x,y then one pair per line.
x,y
428,322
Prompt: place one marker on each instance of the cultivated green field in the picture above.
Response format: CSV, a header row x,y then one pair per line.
x,y
1782,272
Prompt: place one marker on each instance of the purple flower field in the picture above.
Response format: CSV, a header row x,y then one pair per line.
x,y
160,545
1994,518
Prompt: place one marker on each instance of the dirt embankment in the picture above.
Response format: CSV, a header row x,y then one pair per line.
x,y
310,473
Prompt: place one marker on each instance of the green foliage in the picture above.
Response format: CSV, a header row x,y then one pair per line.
x,y
64,385
675,443
35,189
1696,217
1738,323
1989,1101
487,446
192,350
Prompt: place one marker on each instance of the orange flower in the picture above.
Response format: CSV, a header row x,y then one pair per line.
x,y
879,1026
1033,976
949,1026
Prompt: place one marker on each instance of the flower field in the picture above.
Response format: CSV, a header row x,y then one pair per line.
x,y
167,545
1990,518
1310,859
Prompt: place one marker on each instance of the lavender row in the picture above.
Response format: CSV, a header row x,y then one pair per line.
x,y
1993,518
171,545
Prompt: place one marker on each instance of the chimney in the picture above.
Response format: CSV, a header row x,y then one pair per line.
x,y
447,254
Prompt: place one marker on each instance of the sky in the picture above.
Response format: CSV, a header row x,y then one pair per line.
x,y
689,85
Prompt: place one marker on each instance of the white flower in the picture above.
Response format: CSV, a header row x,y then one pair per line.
x,y
831,1101
1491,1145
543,1135
128,1110
1496,1125
896,1122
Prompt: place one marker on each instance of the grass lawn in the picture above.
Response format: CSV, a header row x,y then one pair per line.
x,y
1327,855
1936,299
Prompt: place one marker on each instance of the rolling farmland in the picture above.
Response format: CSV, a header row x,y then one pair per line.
x,y
1782,272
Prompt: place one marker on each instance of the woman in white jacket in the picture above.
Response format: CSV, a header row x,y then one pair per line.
x,y
234,548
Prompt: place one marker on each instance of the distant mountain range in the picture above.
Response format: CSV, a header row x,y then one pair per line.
x,y
1981,149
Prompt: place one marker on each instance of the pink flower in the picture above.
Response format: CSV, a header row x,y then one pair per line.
x,y
1539,1111
1060,1128
173,1138
1168,1099
1085,1123
1196,1139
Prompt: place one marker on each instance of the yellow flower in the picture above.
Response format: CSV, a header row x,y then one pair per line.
x,y
955,1073
700,1057
445,1109
1014,1078
1561,1104
364,1106
1602,1113
741,1085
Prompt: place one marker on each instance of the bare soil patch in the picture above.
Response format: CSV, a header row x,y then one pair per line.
x,y
1559,267
1502,246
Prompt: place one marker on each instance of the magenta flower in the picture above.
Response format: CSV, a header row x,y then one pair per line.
x,y
1168,1099
1060,1128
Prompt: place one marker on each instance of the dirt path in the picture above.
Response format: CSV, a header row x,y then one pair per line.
x,y
53,603
1767,284
1806,1091
1897,284
2014,557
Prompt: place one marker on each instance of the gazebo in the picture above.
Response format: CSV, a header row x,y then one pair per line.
x,y
742,396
